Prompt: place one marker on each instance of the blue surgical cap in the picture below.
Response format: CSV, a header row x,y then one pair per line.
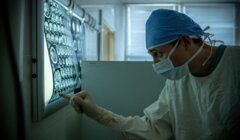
x,y
164,26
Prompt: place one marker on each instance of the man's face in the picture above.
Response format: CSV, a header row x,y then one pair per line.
x,y
184,50
160,53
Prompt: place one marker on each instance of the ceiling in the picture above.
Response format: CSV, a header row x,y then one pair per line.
x,y
149,1
157,1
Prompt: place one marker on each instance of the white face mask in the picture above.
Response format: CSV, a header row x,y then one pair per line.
x,y
167,69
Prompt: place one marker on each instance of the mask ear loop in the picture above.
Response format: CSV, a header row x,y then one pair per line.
x,y
172,50
212,43
207,36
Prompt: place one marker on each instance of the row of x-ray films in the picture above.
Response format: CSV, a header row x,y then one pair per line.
x,y
65,36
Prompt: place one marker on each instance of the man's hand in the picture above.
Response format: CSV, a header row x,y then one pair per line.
x,y
82,102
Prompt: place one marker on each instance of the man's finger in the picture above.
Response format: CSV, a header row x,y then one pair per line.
x,y
65,96
76,103
82,94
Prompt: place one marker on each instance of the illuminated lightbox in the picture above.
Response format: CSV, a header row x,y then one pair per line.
x,y
57,57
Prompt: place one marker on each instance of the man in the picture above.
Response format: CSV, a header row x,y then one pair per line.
x,y
200,100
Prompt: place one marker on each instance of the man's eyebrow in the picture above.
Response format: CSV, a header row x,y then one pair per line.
x,y
155,50
150,51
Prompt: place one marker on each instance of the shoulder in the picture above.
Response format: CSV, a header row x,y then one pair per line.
x,y
232,54
233,50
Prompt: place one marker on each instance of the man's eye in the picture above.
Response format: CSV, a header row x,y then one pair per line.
x,y
160,54
155,54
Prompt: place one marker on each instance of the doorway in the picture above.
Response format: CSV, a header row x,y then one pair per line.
x,y
108,44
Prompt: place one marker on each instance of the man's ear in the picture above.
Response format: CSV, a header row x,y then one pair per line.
x,y
187,42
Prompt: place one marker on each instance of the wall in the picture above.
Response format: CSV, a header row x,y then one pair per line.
x,y
125,88
107,20
8,106
113,17
120,33
175,1
238,24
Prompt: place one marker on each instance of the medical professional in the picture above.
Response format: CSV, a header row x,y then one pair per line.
x,y
201,96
